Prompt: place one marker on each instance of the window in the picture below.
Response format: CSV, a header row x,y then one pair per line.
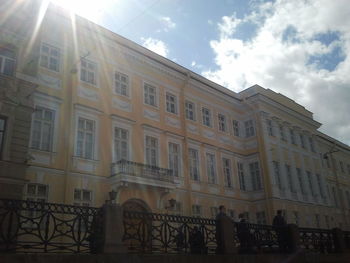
x,y
249,128
296,217
121,144
211,173
269,128
214,211
317,221
290,179
190,110
335,198
319,182
42,129
171,104
37,192
174,158
276,169
88,71
302,140
235,125
194,164
7,61
261,218
282,134
82,197
242,184
226,164
222,122
312,146
150,94
309,178
327,161
255,176
231,213
206,117
151,151
326,219
341,166
301,182
196,210
292,137
85,138
2,134
50,57
121,84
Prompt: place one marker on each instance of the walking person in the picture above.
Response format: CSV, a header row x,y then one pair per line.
x,y
280,227
218,233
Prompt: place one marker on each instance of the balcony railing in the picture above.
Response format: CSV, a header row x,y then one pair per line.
x,y
124,167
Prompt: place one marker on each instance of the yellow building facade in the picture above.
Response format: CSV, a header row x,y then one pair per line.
x,y
112,115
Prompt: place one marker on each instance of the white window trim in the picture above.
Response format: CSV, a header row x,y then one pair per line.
x,y
119,70
156,134
93,60
194,111
178,142
197,147
225,156
208,151
92,202
60,48
227,128
177,109
118,122
53,104
81,112
210,117
157,94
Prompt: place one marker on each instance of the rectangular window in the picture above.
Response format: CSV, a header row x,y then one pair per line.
x,y
214,211
301,182
7,61
226,164
222,122
242,184
206,117
85,138
150,94
277,173
302,140
121,144
196,210
2,134
290,179
82,197
317,221
312,146
121,83
341,166
211,171
42,129
174,158
292,136
296,217
326,219
282,134
235,125
50,57
327,161
309,179
88,71
269,128
37,192
190,110
255,176
249,128
320,187
261,218
171,103
194,164
151,151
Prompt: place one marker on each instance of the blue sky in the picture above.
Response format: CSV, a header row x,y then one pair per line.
x,y
298,48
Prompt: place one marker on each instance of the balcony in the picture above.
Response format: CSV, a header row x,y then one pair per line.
x,y
125,171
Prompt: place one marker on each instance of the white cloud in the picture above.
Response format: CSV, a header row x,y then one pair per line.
x,y
193,63
156,45
283,64
167,23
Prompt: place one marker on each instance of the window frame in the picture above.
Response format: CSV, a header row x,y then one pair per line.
x,y
146,95
211,168
6,58
81,201
206,117
121,140
227,171
171,105
95,120
236,128
49,57
222,122
196,161
249,128
256,178
94,71
241,176
156,148
171,158
193,110
115,81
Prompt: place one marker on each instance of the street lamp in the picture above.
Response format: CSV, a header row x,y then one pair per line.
x,y
172,203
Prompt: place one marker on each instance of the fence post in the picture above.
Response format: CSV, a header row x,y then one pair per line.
x,y
113,228
226,235
293,237
338,239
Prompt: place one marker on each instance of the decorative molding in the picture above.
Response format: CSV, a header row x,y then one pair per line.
x,y
84,164
152,115
88,93
251,145
225,139
49,81
172,122
208,134
121,105
192,128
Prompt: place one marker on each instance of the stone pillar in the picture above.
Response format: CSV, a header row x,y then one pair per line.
x,y
113,229
338,239
226,235
292,237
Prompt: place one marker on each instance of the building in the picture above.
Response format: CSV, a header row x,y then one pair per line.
x,y
112,115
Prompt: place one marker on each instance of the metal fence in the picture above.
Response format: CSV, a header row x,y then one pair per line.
x,y
316,239
27,226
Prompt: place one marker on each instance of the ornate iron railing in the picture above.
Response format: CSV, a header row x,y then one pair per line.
x,y
27,226
163,233
316,239
347,239
264,236
142,170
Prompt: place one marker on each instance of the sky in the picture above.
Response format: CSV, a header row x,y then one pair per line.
x,y
299,48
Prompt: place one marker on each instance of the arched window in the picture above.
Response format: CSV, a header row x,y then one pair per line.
x,y
7,61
